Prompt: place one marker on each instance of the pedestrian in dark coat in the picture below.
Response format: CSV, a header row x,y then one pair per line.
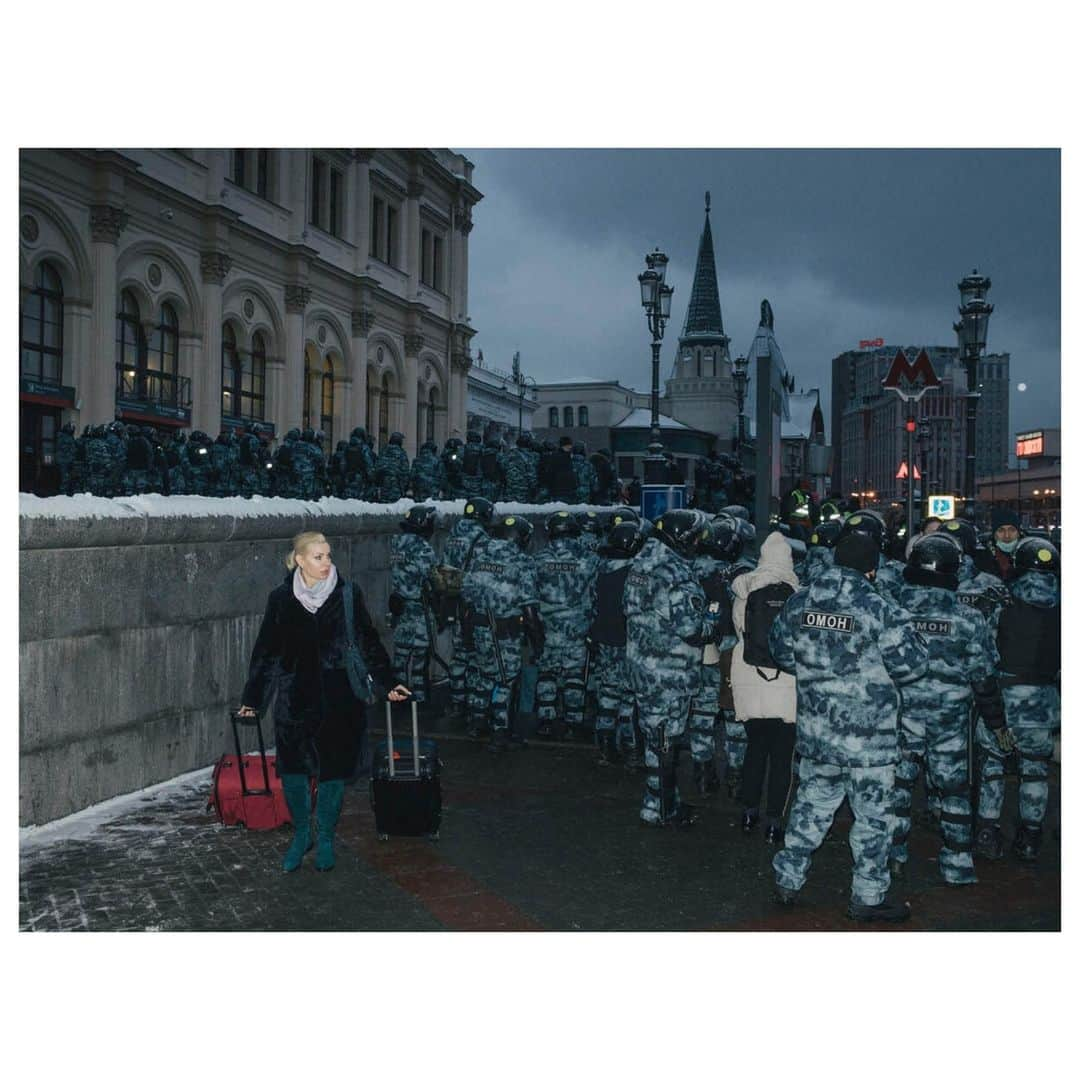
x,y
299,655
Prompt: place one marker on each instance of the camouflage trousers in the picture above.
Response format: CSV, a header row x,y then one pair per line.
x,y
704,714
177,481
460,661
734,740
412,649
489,686
562,664
822,788
938,744
663,715
1033,713
614,700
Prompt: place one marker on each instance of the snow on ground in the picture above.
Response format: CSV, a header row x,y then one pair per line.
x,y
89,823
94,506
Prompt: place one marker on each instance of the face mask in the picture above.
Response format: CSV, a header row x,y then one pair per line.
x,y
1008,548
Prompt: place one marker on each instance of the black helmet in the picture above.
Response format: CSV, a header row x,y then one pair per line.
x,y
503,527
68,428
524,440
420,519
430,445
480,509
308,435
722,539
623,513
358,433
1036,554
579,448
592,522
342,446
830,511
736,511
681,530
473,437
396,438
826,533
869,523
962,533
524,528
293,433
933,560
625,540
562,523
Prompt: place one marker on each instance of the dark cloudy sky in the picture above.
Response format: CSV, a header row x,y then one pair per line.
x,y
845,245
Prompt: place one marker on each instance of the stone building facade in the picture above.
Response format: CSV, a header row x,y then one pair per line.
x,y
207,288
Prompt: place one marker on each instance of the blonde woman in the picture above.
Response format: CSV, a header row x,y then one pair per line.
x,y
318,722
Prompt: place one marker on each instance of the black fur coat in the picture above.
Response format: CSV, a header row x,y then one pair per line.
x,y
299,657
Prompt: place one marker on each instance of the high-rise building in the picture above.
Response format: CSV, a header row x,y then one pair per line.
x,y
868,423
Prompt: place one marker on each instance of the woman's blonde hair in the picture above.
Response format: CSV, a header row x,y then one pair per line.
x,y
300,543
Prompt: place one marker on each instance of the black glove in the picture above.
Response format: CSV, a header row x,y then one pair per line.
x,y
534,628
396,604
1005,739
989,702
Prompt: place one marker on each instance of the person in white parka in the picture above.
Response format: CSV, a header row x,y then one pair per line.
x,y
765,699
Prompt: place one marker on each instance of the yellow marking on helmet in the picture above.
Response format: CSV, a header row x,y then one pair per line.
x,y
509,521
590,513
814,538
618,520
1044,555
953,526
659,524
855,520
470,508
564,513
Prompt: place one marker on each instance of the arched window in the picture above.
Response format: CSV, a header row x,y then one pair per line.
x,y
327,417
307,390
384,411
568,416
553,416
161,357
130,347
583,416
42,332
230,372
433,404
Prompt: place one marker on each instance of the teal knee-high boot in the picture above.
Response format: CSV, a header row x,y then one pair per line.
x,y
297,789
327,810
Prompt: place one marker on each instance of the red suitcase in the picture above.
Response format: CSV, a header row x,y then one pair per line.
x,y
246,787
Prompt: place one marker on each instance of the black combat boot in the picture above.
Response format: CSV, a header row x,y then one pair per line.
x,y
886,911
774,835
609,753
988,841
705,779
749,821
1027,842
500,741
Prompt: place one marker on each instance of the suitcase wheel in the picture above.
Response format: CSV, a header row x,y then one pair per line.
x,y
383,836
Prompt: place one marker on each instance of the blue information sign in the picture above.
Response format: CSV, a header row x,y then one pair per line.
x,y
658,498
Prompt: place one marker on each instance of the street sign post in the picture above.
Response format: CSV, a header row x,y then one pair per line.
x,y
943,506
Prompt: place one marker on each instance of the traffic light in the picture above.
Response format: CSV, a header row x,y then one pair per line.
x,y
909,425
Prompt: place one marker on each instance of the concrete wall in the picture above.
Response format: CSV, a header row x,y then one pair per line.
x,y
134,639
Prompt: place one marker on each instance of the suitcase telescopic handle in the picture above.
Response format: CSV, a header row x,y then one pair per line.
x,y
415,740
249,721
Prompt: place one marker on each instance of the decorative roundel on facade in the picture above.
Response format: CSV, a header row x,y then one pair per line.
x,y
153,274
249,308
28,227
322,335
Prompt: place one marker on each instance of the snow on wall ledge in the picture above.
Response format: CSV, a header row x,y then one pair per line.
x,y
64,521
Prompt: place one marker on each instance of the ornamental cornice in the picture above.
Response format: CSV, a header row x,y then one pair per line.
x,y
362,321
215,266
413,344
297,298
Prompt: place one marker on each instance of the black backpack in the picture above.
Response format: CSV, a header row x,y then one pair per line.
x,y
471,463
715,587
489,464
762,607
1029,643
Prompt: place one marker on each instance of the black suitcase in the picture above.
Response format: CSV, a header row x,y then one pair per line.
x,y
406,793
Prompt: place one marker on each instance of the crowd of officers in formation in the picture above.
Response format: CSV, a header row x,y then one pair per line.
x,y
127,459
627,623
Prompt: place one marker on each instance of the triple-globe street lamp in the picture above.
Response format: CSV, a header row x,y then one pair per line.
x,y
656,300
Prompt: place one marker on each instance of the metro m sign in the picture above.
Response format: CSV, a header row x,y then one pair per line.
x,y
911,381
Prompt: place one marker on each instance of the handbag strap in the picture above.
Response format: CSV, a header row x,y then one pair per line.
x,y
347,599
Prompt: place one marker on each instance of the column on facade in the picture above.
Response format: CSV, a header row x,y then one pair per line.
x,y
275,396
413,344
297,298
362,321
458,396
206,386
412,236
362,208
79,356
97,386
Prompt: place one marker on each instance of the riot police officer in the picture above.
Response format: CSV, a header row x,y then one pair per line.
x,y
412,559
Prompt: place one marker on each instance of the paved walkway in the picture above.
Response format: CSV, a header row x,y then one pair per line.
x,y
544,839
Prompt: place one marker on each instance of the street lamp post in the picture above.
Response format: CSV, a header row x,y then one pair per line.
x,y
521,382
971,333
656,300
740,374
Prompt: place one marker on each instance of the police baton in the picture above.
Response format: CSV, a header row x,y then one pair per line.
x,y
495,645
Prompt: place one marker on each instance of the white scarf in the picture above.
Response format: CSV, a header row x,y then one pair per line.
x,y
316,596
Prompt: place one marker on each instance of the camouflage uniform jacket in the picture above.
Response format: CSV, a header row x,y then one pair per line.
x,y
426,478
848,649
585,475
519,468
665,619
392,472
411,560
566,586
461,541
500,579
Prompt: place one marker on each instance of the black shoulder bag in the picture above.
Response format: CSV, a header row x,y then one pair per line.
x,y
360,681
